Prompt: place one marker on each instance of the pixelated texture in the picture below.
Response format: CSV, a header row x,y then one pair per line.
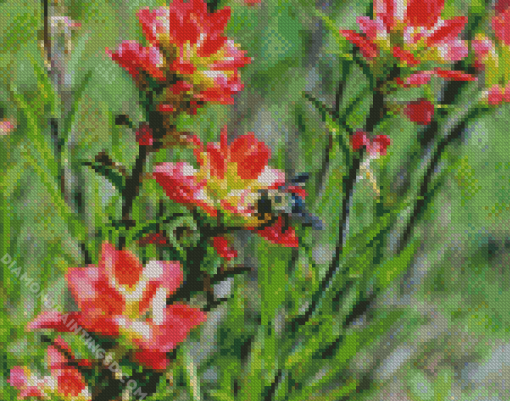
x,y
254,200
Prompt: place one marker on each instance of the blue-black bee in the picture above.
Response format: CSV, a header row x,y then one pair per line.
x,y
286,203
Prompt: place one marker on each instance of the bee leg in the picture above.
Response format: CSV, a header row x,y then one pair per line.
x,y
208,289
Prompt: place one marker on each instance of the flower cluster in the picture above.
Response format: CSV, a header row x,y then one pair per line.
x,y
411,33
121,298
493,56
187,54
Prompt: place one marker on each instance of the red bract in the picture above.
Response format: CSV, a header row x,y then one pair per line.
x,y
135,58
193,42
223,249
420,111
501,26
413,33
229,179
501,5
367,48
144,135
65,381
375,146
113,298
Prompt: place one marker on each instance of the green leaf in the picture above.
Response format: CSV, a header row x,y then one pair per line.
x,y
45,88
19,32
330,25
420,386
40,157
332,122
107,172
76,57
280,41
69,119
190,373
392,268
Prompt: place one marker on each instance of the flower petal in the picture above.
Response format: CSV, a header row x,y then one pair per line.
x,y
423,13
250,155
180,184
223,249
420,111
277,235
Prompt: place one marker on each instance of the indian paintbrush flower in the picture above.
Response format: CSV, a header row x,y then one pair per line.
x,y
228,183
65,381
187,54
411,32
114,299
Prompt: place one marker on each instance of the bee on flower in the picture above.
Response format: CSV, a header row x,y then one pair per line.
x,y
234,183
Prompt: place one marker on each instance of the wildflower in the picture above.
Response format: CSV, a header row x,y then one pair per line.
x,y
7,127
189,52
412,33
65,382
114,298
229,182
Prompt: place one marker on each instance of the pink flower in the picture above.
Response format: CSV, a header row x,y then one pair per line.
x,y
65,381
229,180
420,111
114,297
7,127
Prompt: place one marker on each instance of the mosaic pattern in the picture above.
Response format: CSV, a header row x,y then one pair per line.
x,y
254,200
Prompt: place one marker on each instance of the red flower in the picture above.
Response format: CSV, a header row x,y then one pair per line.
x,y
229,179
114,297
135,58
501,26
405,56
367,48
413,33
279,234
420,111
223,249
501,6
65,381
192,38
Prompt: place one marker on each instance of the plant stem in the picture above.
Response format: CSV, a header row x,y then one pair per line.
x,y
132,189
422,202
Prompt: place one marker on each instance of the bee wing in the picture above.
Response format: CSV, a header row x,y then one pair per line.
x,y
299,178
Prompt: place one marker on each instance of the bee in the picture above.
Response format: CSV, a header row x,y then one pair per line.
x,y
288,204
